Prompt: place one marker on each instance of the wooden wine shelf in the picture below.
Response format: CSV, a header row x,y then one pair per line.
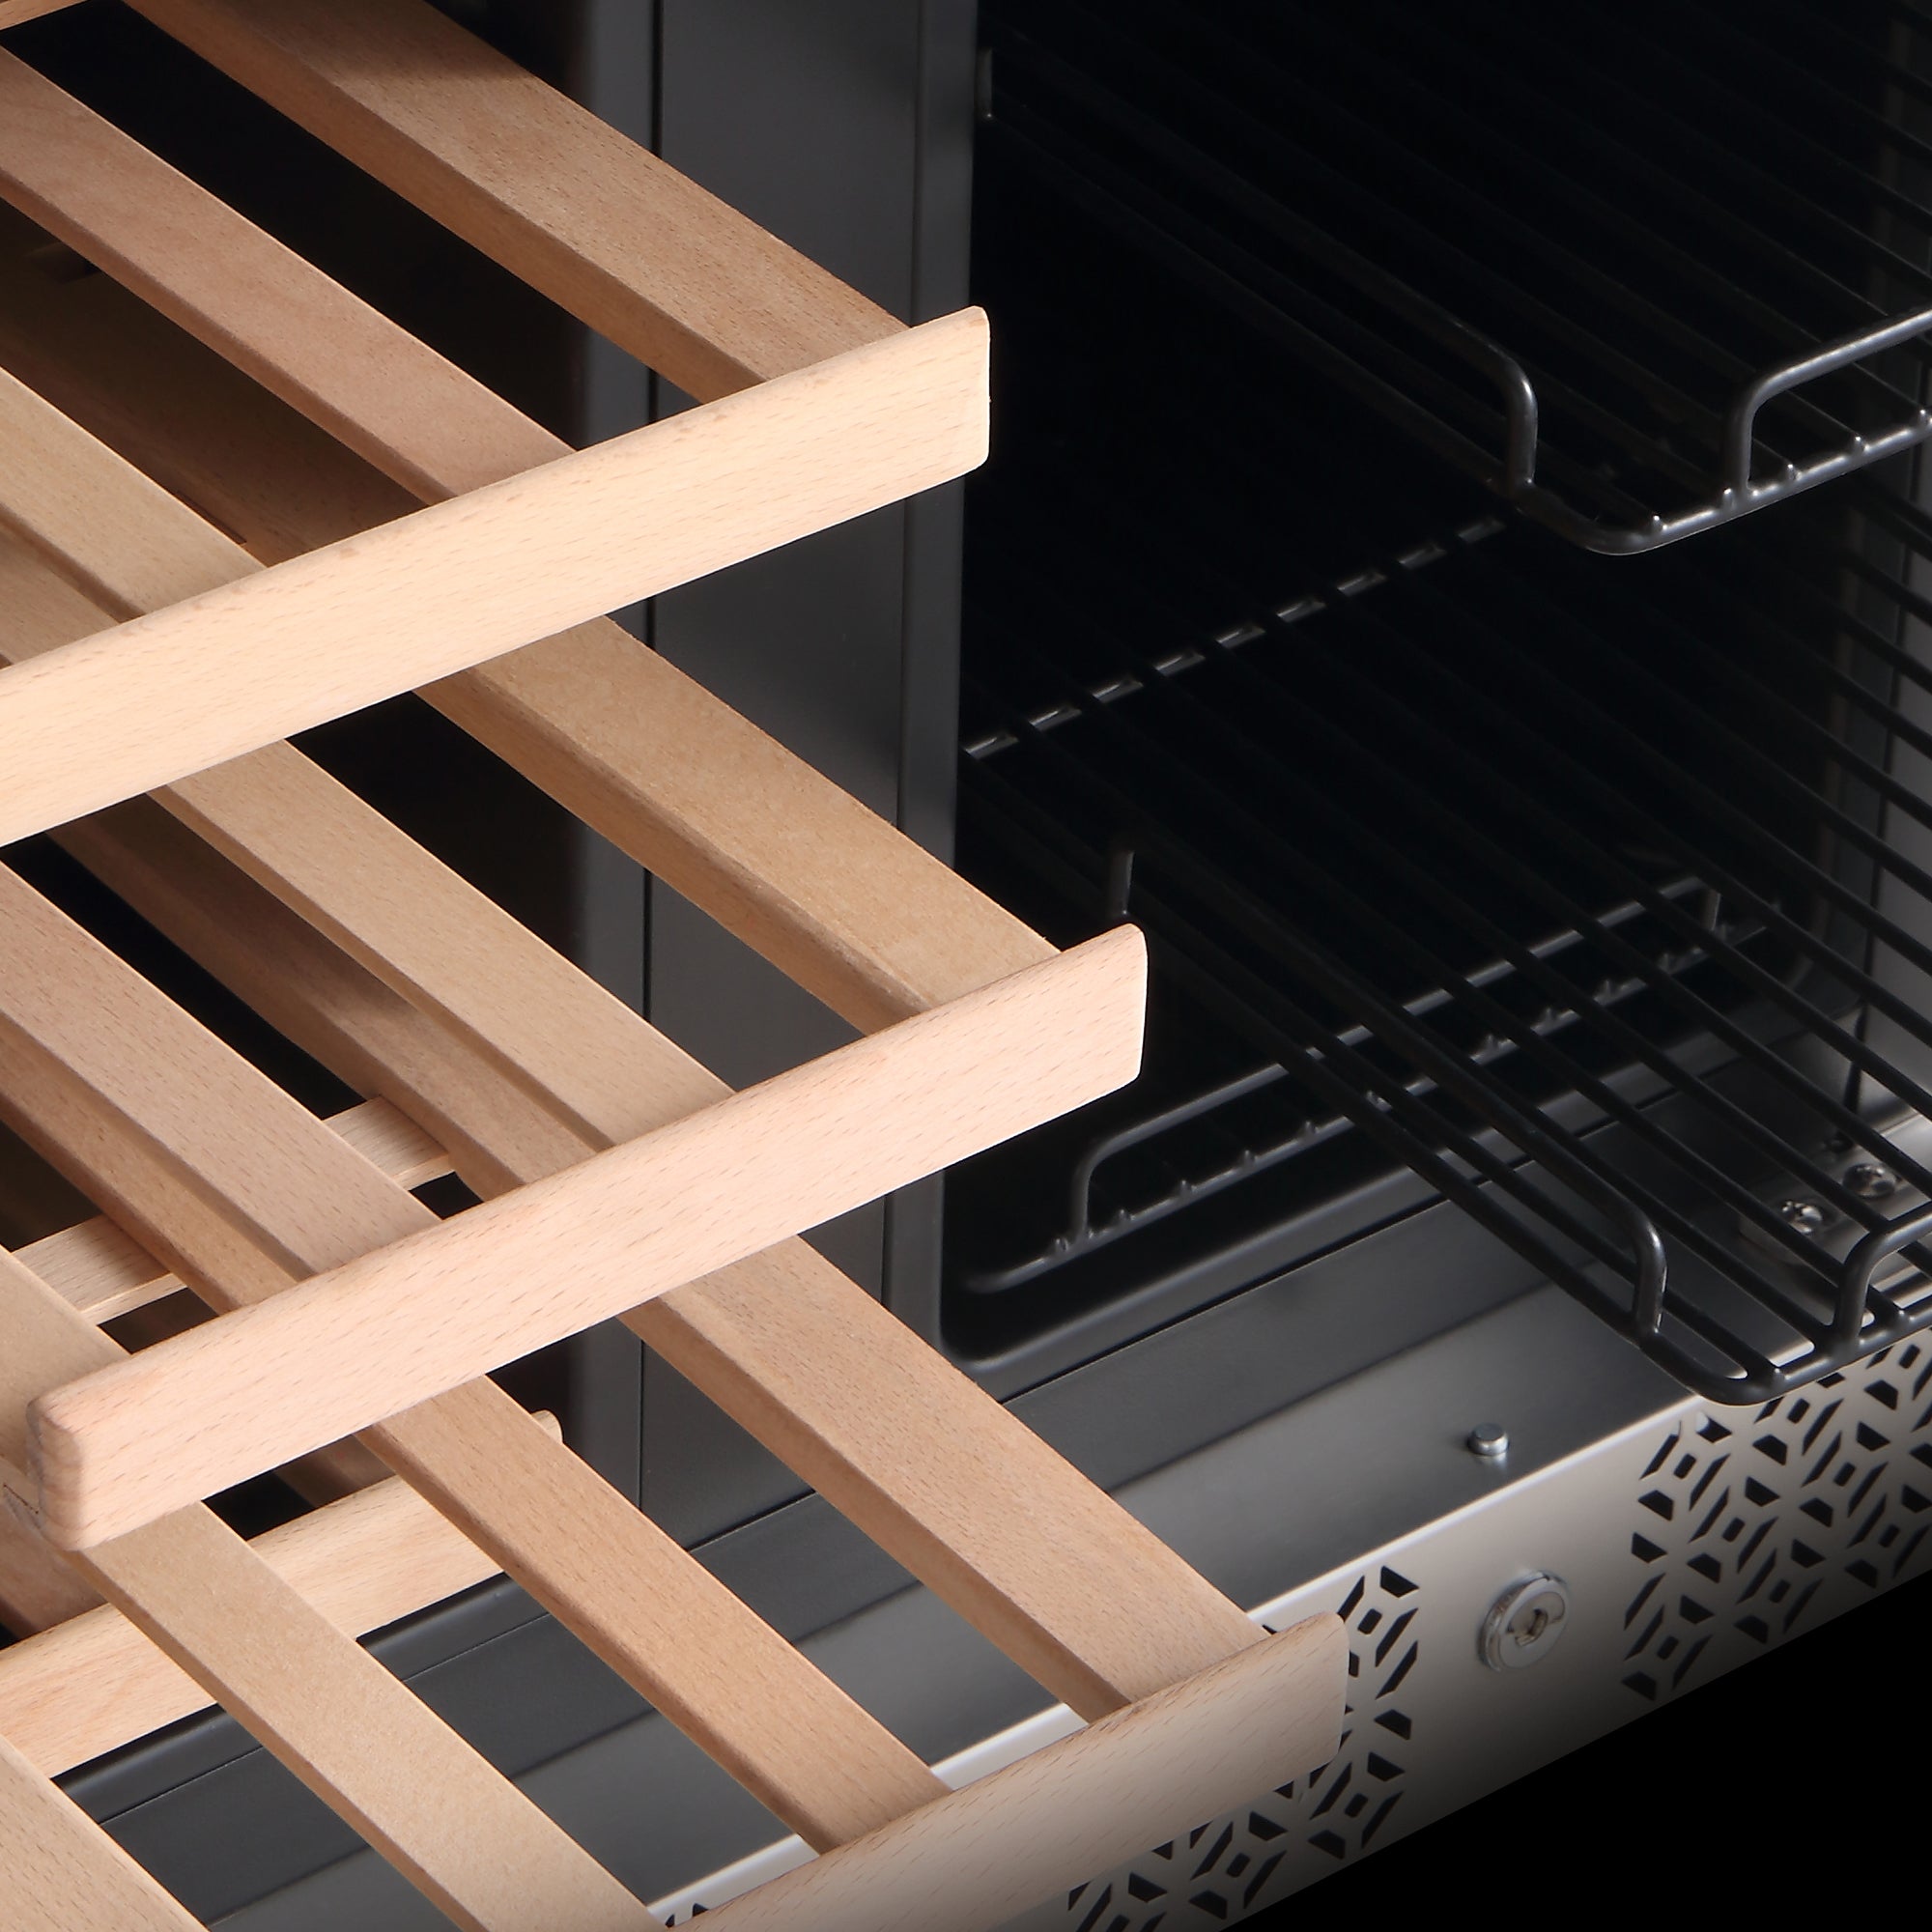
x,y
416,533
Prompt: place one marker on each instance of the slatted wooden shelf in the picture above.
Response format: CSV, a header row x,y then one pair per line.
x,y
391,525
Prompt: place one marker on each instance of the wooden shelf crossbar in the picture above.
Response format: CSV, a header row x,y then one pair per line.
x,y
394,525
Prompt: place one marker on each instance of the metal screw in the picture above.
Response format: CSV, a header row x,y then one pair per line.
x,y
1524,1622
1806,1217
1870,1181
1489,1439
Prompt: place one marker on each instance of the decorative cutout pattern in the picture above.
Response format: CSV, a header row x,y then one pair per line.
x,y
1234,1865
1752,1525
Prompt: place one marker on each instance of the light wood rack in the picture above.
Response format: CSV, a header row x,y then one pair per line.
x,y
386,523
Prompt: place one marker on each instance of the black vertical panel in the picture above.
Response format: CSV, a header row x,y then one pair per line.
x,y
1907,838
612,67
815,121
935,530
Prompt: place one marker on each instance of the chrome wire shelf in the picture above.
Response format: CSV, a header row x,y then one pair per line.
x,y
1592,901
1639,270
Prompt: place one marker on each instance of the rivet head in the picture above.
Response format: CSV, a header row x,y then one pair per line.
x,y
1489,1439
1870,1181
1806,1217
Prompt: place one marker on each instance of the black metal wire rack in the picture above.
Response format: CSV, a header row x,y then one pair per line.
x,y
1758,1260
1597,903
1639,269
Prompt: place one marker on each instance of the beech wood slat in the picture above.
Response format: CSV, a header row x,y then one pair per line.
x,y
613,234
706,1662
988,1517
96,1683
100,1269
239,666
826,890
929,935
356,1736
1048,1823
103,1271
388,1140
246,1193
60,1871
433,938
204,1410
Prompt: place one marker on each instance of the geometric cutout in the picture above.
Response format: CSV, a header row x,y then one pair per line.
x,y
1710,1581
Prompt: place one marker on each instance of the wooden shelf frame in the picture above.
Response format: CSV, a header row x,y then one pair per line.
x,y
155,655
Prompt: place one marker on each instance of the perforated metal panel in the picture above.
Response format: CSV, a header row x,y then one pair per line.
x,y
1753,1525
